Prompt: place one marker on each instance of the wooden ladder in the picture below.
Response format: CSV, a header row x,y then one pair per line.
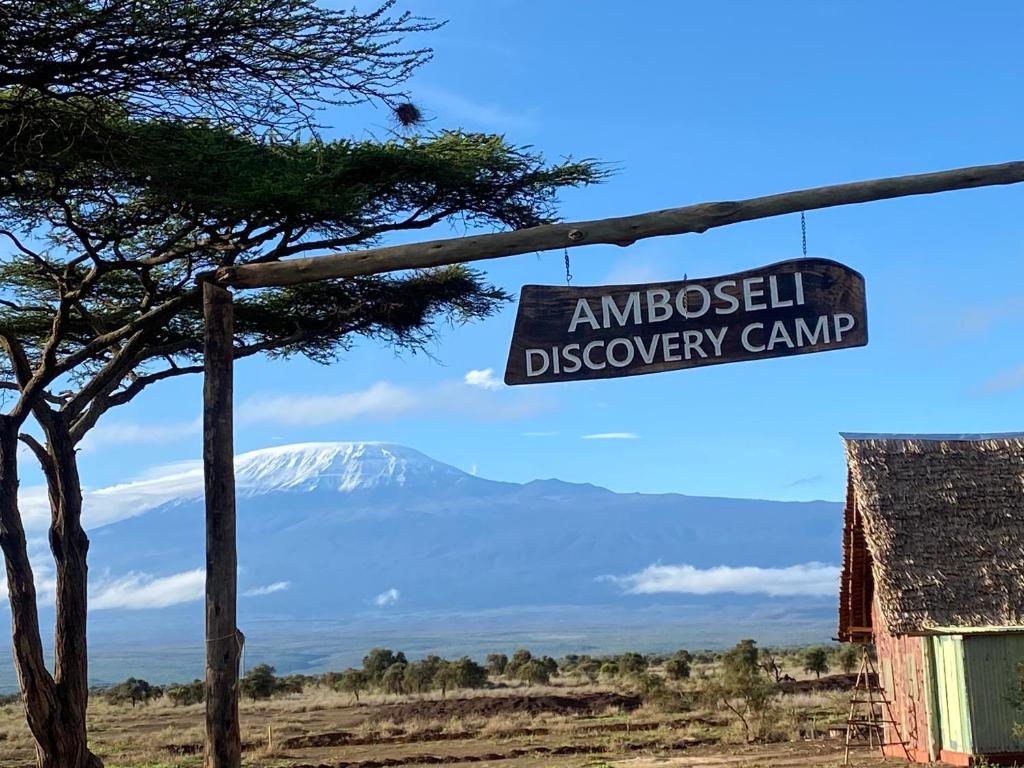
x,y
870,710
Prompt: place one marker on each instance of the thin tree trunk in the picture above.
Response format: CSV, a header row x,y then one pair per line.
x,y
58,729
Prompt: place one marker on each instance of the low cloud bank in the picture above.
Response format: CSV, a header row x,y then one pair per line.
x,y
810,579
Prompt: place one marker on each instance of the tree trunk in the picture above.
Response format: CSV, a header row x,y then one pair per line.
x,y
70,547
55,717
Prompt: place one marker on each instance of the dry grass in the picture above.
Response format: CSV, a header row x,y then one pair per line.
x,y
161,735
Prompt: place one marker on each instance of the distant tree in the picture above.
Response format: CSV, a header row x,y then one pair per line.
x,y
677,667
816,661
534,672
189,693
392,681
771,663
848,657
520,657
741,659
567,664
377,662
259,682
292,684
352,681
497,663
740,688
588,668
469,674
446,678
419,675
631,663
131,690
550,664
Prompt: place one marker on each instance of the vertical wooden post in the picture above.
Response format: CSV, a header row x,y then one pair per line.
x,y
223,735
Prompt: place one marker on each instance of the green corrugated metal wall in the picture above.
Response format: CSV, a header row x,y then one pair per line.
x,y
990,666
951,691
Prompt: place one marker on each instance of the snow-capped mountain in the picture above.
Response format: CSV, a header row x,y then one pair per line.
x,y
343,546
341,467
343,523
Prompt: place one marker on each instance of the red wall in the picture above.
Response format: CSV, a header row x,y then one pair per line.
x,y
901,673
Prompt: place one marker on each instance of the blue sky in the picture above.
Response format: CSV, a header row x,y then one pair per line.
x,y
693,102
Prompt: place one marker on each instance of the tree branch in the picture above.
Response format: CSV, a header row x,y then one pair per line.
x,y
623,230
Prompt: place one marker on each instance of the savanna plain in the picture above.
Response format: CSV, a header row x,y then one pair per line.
x,y
747,706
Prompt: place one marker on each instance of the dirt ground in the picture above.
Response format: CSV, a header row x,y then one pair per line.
x,y
564,726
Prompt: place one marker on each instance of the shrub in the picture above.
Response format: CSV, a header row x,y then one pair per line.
x,y
677,667
497,663
816,661
631,664
132,691
189,693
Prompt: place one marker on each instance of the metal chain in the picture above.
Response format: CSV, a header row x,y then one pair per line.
x,y
803,232
568,274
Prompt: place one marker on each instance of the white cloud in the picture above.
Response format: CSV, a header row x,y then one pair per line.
x,y
1004,382
383,400
815,579
483,379
267,589
136,591
388,597
127,433
611,436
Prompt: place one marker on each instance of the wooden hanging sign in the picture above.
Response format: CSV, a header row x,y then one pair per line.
x,y
600,332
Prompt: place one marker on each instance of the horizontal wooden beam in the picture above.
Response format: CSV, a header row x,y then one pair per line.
x,y
623,230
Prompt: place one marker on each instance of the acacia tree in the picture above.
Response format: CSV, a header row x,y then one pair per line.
x,y
111,218
101,301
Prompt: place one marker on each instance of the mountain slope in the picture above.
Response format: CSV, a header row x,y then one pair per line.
x,y
344,523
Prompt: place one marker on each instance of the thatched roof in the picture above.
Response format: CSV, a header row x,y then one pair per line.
x,y
943,520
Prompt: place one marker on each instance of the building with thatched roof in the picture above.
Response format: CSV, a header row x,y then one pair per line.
x,y
933,575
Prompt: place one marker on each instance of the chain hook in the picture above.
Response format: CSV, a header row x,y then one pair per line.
x,y
803,232
568,274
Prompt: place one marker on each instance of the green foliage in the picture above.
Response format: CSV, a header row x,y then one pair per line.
x,y
740,688
497,663
740,661
133,691
259,682
678,666
849,656
469,674
420,675
631,664
378,661
655,692
816,661
257,64
188,693
534,672
352,681
392,680
588,668
520,657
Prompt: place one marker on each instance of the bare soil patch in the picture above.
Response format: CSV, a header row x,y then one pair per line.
x,y
492,706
